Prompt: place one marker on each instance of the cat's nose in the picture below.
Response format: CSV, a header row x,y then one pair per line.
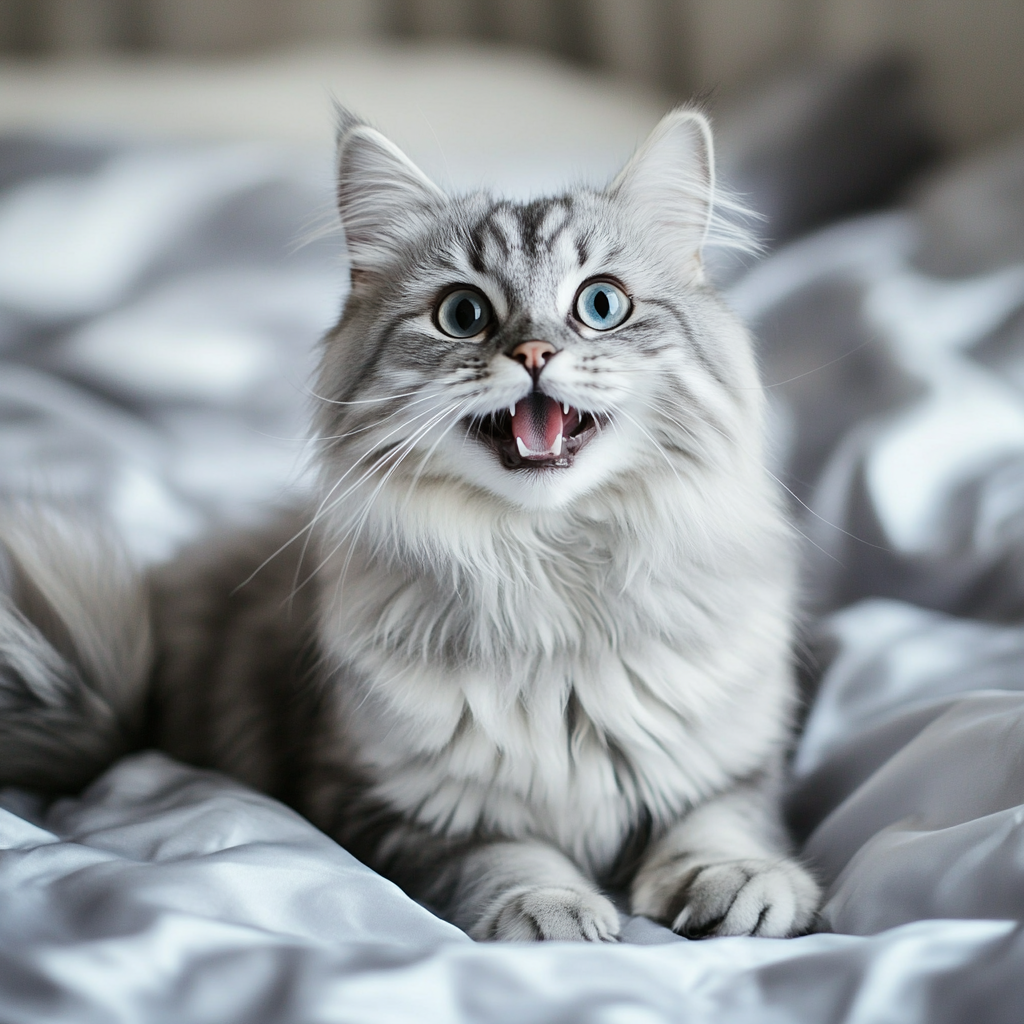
x,y
533,355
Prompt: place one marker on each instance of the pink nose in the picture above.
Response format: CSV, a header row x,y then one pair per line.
x,y
533,354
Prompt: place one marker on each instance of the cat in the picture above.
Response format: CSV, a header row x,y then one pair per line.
x,y
532,645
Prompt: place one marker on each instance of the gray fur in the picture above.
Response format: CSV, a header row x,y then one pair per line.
x,y
75,650
507,687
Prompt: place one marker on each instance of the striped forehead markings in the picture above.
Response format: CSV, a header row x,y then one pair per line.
x,y
488,230
542,222
507,232
582,252
531,227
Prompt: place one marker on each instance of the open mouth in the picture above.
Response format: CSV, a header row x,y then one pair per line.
x,y
536,433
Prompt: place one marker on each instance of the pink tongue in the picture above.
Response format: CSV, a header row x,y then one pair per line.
x,y
538,423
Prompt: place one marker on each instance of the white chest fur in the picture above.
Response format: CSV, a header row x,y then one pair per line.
x,y
568,748
561,684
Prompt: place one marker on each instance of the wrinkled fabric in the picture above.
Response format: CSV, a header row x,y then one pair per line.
x,y
162,379
166,893
159,310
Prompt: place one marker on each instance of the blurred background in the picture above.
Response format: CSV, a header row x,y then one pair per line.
x,y
968,51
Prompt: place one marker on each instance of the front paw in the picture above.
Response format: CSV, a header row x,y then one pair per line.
x,y
699,899
548,912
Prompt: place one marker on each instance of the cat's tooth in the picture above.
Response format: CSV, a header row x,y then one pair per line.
x,y
565,408
512,409
558,446
523,450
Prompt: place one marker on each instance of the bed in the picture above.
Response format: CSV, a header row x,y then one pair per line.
x,y
156,329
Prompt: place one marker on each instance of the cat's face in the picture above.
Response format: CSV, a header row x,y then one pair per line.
x,y
534,351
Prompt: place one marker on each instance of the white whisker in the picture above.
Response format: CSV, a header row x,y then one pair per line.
x,y
402,449
391,471
307,529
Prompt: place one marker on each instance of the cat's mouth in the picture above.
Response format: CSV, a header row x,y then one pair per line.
x,y
538,432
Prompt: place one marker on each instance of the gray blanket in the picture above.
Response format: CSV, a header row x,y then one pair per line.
x,y
156,329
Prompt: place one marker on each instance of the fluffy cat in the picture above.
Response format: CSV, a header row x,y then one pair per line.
x,y
534,640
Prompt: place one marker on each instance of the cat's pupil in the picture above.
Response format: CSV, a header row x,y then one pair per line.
x,y
601,304
466,314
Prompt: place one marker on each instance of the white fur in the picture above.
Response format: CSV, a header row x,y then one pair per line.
x,y
616,635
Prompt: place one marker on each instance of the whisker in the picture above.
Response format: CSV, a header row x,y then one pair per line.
x,y
700,451
810,372
726,437
833,526
653,441
325,509
443,435
351,534
800,532
320,509
366,401
800,501
400,451
435,385
700,525
373,497
376,422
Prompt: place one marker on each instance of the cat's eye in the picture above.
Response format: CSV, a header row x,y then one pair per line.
x,y
463,313
602,305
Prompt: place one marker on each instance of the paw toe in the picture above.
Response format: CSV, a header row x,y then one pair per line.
x,y
743,897
551,913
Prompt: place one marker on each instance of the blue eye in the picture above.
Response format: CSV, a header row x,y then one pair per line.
x,y
463,313
602,305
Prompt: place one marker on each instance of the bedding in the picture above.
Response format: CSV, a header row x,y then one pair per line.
x,y
156,329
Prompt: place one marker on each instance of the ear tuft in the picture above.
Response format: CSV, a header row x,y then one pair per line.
x,y
382,194
344,121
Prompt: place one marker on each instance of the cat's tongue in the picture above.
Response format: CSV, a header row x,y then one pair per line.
x,y
537,427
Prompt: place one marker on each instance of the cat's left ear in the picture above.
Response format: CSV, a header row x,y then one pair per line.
x,y
381,195
669,184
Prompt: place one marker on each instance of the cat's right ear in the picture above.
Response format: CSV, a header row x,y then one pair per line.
x,y
381,194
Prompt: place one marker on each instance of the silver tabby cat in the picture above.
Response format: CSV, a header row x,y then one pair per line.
x,y
533,643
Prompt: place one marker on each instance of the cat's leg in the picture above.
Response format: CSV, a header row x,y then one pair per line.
x,y
502,890
725,870
529,891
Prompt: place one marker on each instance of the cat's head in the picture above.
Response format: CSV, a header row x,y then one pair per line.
x,y
537,351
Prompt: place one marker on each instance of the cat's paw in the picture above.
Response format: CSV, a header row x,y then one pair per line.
x,y
769,898
549,912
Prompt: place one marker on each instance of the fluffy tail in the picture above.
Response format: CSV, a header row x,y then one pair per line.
x,y
75,651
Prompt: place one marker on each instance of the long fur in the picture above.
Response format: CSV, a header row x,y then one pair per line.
x,y
507,688
76,650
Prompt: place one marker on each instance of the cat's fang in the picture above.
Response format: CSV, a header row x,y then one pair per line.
x,y
537,434
528,453
538,420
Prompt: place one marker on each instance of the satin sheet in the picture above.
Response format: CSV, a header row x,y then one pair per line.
x,y
171,894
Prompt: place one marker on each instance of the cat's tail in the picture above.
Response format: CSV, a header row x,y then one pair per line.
x,y
76,650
